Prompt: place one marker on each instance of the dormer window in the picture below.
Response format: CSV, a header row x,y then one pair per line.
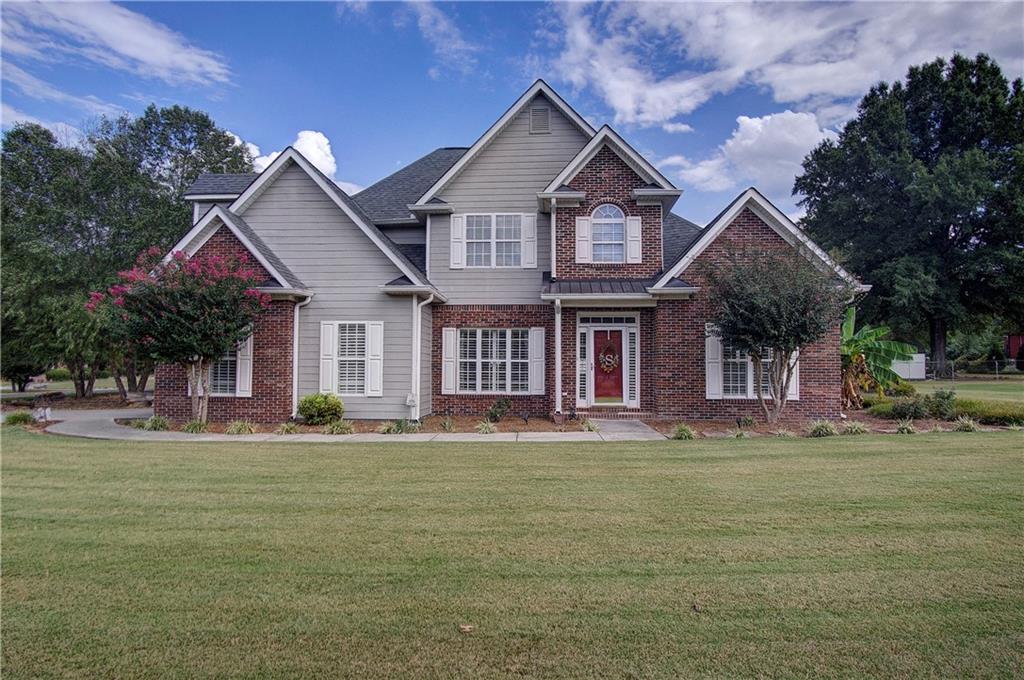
x,y
609,234
540,120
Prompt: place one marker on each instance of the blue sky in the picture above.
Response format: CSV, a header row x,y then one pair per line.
x,y
719,96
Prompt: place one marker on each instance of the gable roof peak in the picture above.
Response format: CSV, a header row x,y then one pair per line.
x,y
607,136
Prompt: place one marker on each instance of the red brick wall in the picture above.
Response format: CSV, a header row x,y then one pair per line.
x,y
679,342
271,400
607,179
492,316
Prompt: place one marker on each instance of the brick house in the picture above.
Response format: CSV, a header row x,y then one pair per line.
x,y
543,264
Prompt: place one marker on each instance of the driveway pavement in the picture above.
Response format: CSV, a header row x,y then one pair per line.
x,y
99,424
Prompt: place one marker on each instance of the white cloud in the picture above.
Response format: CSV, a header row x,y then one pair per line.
x,y
767,151
109,35
317,150
351,7
35,88
65,133
821,56
445,38
676,127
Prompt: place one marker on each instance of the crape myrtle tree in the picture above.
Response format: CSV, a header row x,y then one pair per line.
x,y
769,304
922,195
186,311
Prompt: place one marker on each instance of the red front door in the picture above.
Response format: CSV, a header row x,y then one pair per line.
x,y
608,367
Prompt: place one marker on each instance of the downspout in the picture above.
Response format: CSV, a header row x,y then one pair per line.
x,y
417,334
295,354
558,356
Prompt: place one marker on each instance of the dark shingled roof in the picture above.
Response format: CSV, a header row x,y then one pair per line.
x,y
415,253
264,250
677,236
387,199
221,183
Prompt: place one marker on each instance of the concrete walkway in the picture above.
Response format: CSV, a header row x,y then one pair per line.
x,y
99,424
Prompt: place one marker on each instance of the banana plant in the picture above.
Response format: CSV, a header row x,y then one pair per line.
x,y
867,354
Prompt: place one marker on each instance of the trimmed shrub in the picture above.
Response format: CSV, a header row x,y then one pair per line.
x,y
499,409
589,426
941,404
58,375
901,388
869,400
882,409
156,424
486,427
683,431
910,408
991,412
855,427
822,428
139,424
905,426
19,418
194,427
338,427
965,424
745,421
287,428
240,427
320,409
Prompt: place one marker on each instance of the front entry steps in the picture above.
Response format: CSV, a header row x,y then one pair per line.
x,y
614,413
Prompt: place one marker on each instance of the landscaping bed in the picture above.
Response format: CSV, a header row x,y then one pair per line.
x,y
61,401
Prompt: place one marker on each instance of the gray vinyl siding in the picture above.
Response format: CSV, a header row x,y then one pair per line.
x,y
504,177
411,235
204,206
334,258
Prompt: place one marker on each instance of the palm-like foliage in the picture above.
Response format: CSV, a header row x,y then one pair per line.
x,y
867,354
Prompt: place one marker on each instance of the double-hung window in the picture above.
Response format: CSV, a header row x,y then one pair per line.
x,y
351,359
479,240
494,240
224,375
733,376
494,360
608,224
508,234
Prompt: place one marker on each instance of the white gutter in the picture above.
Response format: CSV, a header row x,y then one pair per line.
x,y
417,333
295,354
558,356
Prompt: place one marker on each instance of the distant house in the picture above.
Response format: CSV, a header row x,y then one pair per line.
x,y
543,264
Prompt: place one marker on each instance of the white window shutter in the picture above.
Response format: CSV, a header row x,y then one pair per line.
x,y
449,364
458,242
583,252
528,247
243,368
712,365
634,241
794,382
537,352
375,359
328,356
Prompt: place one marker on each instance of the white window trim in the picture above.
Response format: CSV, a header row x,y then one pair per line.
x,y
366,359
627,323
479,361
594,221
494,240
234,392
751,393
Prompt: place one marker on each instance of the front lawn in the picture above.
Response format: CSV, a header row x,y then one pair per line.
x,y
851,556
1009,388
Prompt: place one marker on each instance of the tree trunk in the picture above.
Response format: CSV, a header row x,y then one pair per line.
x,y
130,375
193,370
758,374
119,381
78,377
143,379
938,331
90,382
204,400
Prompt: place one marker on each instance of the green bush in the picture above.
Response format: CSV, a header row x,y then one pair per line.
x,y
486,427
965,424
745,421
320,409
156,424
499,409
855,427
287,428
941,404
909,408
402,426
139,424
881,410
240,427
905,426
58,375
822,428
338,427
589,426
901,388
448,425
19,418
991,412
869,400
683,431
194,427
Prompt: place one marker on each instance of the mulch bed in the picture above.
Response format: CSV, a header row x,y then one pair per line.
x,y
726,428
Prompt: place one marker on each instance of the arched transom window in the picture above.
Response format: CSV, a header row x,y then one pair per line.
x,y
609,234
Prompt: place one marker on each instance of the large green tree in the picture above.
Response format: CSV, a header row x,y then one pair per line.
x,y
922,195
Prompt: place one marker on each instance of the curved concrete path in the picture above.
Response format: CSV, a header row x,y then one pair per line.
x,y
99,424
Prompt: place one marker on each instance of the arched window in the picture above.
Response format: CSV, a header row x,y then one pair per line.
x,y
609,234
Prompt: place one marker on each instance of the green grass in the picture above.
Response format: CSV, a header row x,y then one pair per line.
x,y
840,557
65,386
1004,389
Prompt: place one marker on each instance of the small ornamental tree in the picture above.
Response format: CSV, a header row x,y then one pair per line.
x,y
187,311
773,303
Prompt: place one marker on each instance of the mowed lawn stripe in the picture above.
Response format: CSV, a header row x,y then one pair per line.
x,y
854,556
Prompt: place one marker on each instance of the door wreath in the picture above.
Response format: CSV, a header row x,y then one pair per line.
x,y
608,357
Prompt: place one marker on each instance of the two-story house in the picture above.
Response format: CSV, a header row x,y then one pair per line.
x,y
543,264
